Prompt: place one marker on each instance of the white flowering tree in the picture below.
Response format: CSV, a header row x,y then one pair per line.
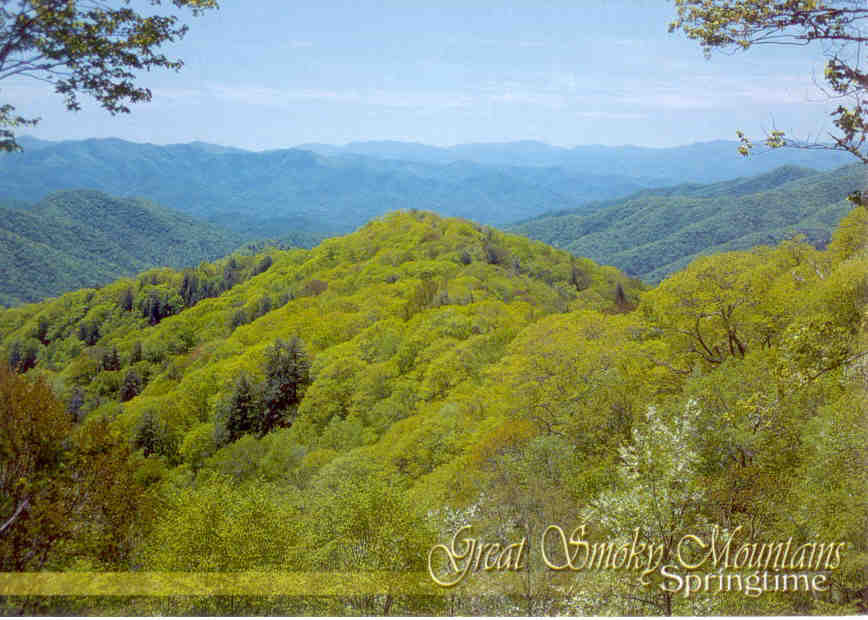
x,y
658,491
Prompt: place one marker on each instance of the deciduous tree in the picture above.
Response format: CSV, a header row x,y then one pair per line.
x,y
84,46
837,24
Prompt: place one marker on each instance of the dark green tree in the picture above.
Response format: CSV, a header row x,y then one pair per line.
x,y
23,357
131,387
136,353
263,266
190,289
239,318
42,330
264,305
287,375
89,333
151,435
239,413
75,403
579,278
111,360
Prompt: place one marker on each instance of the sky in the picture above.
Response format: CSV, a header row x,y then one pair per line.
x,y
267,74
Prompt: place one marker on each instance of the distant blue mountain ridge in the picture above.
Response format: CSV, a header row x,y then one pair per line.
x,y
329,190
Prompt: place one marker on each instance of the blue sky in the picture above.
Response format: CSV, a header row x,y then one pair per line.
x,y
264,74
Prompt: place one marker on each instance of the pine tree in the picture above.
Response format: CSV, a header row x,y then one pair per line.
x,y
131,387
111,360
76,402
263,266
22,357
88,333
239,413
150,434
287,374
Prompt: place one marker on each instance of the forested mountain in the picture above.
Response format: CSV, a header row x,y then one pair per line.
x,y
703,162
272,193
313,412
76,239
293,190
659,231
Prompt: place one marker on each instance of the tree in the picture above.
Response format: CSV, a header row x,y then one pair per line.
x,y
837,24
22,357
84,46
136,354
64,490
151,435
111,360
32,428
287,374
131,387
659,494
239,412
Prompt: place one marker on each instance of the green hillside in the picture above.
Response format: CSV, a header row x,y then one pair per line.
x,y
332,414
79,239
657,232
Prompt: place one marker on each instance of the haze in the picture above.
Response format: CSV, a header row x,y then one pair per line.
x,y
272,74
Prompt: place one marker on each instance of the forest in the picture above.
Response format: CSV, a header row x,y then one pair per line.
x,y
343,409
656,232
656,407
80,238
84,238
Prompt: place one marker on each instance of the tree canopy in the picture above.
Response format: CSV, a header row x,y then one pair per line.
x,y
82,46
836,24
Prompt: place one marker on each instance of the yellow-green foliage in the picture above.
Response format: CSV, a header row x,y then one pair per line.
x,y
456,370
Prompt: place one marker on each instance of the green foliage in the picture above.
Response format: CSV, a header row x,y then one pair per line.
x,y
241,412
432,392
287,374
657,232
68,493
740,24
74,239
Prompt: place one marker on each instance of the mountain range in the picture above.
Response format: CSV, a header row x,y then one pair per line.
x,y
84,238
702,162
333,190
656,232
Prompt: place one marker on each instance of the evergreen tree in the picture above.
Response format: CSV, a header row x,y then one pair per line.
x,y
150,434
111,360
263,266
42,331
239,413
580,279
264,305
239,318
76,402
131,387
287,374
88,333
22,357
